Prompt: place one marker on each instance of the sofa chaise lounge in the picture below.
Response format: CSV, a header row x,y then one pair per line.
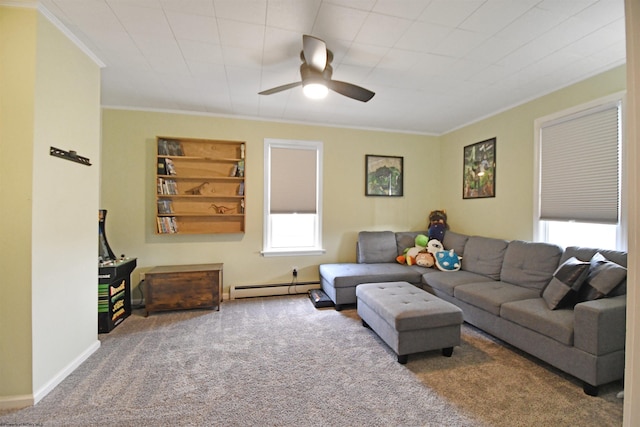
x,y
505,288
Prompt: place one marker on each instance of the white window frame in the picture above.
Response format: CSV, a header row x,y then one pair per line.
x,y
540,229
268,248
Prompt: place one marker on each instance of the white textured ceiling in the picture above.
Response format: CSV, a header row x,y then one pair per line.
x,y
435,65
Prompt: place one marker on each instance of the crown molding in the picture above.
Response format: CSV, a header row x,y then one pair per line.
x,y
33,4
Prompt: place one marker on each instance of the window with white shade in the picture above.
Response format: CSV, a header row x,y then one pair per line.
x,y
292,197
579,176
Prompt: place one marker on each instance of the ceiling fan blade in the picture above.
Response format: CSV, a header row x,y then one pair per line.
x,y
279,88
350,90
315,52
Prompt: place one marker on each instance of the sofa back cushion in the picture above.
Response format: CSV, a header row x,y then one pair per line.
x,y
484,255
455,241
406,239
585,254
377,246
530,264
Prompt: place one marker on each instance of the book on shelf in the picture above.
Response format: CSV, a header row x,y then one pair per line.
x,y
167,224
234,170
163,148
167,186
167,147
241,189
241,168
165,207
175,148
169,167
162,167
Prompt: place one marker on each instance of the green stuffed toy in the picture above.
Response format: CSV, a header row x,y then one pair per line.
x,y
410,254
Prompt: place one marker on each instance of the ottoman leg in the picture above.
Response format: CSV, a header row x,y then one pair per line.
x,y
403,359
365,324
447,352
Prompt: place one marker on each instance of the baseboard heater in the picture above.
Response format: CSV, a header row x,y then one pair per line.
x,y
267,290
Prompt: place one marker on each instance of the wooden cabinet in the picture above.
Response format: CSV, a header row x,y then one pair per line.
x,y
179,287
200,186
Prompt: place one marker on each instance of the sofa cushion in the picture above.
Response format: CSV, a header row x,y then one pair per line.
x,y
484,255
447,281
489,296
455,241
565,284
377,246
346,275
585,254
530,264
406,239
604,276
535,315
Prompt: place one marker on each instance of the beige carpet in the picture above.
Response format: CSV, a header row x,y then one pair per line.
x,y
502,386
280,362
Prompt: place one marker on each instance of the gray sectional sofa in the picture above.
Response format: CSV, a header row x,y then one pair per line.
x,y
505,288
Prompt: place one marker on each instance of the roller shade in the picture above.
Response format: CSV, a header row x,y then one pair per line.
x,y
580,167
293,180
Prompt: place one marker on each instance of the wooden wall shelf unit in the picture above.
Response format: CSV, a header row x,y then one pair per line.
x,y
200,186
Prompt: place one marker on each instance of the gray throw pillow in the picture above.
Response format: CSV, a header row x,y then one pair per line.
x,y
565,283
604,276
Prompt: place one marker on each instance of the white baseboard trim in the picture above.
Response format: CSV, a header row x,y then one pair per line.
x,y
16,402
64,373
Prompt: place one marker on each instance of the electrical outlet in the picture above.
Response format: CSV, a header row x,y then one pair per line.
x,y
294,270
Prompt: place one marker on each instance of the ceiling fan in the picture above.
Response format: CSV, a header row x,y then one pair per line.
x,y
316,71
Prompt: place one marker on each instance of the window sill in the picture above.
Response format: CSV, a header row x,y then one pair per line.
x,y
292,252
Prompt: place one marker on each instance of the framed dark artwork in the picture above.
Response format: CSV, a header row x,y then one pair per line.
x,y
384,175
479,170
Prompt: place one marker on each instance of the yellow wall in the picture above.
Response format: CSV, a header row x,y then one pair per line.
x,y
510,214
49,96
433,180
128,186
17,80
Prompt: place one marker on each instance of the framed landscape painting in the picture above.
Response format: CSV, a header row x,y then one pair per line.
x,y
479,170
383,175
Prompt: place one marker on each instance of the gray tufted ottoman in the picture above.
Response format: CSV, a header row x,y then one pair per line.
x,y
409,319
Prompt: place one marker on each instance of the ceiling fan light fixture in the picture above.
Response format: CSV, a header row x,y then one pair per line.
x,y
315,90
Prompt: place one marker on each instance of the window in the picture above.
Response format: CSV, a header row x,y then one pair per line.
x,y
578,183
292,197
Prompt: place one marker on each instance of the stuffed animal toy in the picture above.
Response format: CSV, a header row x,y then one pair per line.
x,y
434,246
436,232
409,256
412,253
425,259
437,225
448,260
421,240
438,217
